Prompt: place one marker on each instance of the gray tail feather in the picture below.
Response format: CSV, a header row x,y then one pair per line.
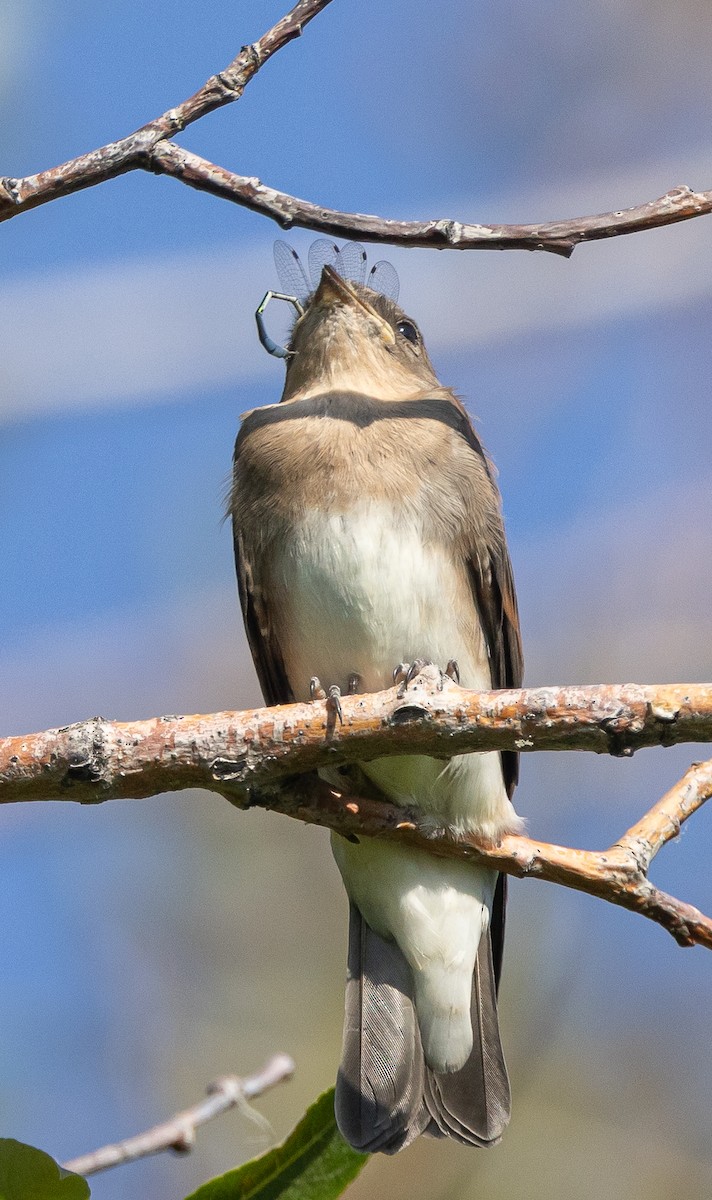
x,y
380,1102
386,1095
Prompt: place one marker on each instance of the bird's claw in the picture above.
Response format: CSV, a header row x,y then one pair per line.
x,y
417,665
453,671
405,673
332,695
333,702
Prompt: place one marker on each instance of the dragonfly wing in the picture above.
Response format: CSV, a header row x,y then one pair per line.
x,y
352,263
383,278
292,277
322,253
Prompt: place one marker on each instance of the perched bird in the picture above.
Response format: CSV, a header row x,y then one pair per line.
x,y
368,536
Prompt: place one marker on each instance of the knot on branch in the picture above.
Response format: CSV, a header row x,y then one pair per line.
x,y
666,719
621,730
185,1140
9,189
233,771
236,77
406,713
86,755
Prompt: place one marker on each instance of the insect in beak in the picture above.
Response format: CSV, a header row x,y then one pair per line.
x,y
269,343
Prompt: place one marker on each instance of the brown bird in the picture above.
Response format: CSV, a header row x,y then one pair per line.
x,y
368,533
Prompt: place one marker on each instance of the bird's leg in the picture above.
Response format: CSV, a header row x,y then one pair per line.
x,y
405,673
332,694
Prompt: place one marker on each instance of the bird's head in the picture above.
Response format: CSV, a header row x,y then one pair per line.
x,y
350,338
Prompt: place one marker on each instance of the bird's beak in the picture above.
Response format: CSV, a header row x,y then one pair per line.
x,y
333,290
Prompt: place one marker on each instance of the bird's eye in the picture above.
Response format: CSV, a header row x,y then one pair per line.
x,y
409,331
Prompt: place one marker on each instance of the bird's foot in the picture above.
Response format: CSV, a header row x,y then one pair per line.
x,y
332,694
405,673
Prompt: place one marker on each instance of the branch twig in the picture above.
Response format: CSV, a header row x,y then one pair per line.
x,y
618,875
133,153
179,1132
558,237
149,149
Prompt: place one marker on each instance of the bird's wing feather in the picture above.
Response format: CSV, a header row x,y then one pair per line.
x,y
493,590
379,1100
385,1094
472,1105
493,587
261,635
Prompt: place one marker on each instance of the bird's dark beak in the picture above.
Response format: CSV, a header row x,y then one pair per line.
x,y
333,290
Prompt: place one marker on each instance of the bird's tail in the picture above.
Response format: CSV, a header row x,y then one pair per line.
x,y
386,1094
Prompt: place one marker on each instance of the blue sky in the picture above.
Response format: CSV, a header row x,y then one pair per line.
x,y
146,946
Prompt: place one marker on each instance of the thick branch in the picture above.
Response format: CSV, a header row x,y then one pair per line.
x,y
179,1132
240,754
133,152
268,757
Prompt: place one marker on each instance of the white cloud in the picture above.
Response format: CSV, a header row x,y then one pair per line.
x,y
130,330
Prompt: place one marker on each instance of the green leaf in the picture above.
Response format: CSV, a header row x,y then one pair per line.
x,y
314,1163
30,1174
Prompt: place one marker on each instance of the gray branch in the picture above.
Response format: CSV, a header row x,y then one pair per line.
x,y
150,149
178,1133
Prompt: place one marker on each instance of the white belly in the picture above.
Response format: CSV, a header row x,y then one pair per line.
x,y
361,591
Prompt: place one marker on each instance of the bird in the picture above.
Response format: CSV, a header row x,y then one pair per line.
x,y
369,539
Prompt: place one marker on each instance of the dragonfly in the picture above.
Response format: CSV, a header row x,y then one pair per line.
x,y
299,282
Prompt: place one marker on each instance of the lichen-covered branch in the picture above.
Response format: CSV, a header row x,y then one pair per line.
x,y
179,1132
268,757
242,753
150,149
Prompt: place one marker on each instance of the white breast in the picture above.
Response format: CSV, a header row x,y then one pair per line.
x,y
362,591
358,593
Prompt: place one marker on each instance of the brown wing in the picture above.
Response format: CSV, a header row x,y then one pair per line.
x,y
266,653
493,585
493,588
255,603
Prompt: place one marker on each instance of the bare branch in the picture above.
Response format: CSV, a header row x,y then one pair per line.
x,y
149,149
240,754
179,1132
618,875
559,237
133,152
